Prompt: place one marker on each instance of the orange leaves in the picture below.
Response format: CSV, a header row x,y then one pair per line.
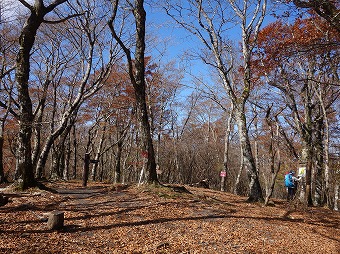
x,y
149,219
279,41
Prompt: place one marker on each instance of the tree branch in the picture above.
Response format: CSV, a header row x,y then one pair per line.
x,y
27,5
120,42
7,72
63,20
3,105
54,5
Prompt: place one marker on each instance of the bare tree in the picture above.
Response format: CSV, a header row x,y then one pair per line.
x,y
274,152
7,67
209,21
137,76
85,67
38,11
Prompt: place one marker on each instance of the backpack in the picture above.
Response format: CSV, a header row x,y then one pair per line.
x,y
289,181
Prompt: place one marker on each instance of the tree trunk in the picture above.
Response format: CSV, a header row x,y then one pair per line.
x,y
272,183
3,179
86,169
37,144
306,158
336,196
97,156
75,152
58,153
66,172
26,41
38,125
226,148
273,153
117,178
44,155
325,141
317,181
55,173
63,130
255,191
2,173
139,86
238,177
137,76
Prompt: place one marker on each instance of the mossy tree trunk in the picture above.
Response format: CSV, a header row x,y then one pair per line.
x,y
25,116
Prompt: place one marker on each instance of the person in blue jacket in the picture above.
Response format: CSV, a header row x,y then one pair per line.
x,y
291,184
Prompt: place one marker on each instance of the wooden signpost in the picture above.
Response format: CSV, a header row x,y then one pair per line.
x,y
86,168
223,175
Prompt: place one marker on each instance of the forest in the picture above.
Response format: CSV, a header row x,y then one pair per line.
x,y
87,93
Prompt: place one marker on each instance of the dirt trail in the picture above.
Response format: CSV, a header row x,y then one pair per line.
x,y
99,219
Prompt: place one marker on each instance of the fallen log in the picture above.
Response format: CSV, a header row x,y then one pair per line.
x,y
181,189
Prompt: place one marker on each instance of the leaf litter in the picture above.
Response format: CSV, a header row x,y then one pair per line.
x,y
102,218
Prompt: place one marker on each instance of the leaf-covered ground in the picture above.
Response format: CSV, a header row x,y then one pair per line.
x,y
102,219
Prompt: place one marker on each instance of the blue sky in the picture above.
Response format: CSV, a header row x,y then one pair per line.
x,y
179,41
172,41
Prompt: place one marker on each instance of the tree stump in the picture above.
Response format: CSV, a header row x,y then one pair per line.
x,y
55,220
3,200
